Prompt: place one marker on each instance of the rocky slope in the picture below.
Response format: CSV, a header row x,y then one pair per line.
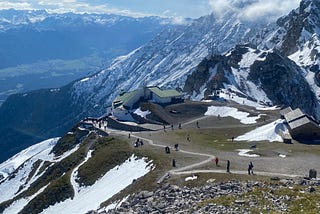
x,y
267,77
221,197
272,78
297,36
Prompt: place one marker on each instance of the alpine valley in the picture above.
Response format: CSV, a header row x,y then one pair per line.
x,y
265,62
47,50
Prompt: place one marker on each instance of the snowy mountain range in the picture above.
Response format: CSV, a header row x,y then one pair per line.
x,y
166,60
172,56
280,66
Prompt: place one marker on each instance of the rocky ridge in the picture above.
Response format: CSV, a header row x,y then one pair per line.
x,y
236,197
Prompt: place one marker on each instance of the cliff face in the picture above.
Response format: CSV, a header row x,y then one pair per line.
x,y
282,81
265,76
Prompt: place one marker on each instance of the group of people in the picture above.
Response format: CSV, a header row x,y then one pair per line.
x,y
138,143
250,166
172,126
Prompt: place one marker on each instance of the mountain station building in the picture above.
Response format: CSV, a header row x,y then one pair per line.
x,y
125,102
301,126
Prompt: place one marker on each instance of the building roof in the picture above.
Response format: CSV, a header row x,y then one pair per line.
x,y
293,115
165,93
299,122
123,98
297,118
285,111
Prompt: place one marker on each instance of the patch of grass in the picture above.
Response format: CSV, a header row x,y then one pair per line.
x,y
218,138
108,153
226,201
162,164
58,190
44,166
69,141
301,201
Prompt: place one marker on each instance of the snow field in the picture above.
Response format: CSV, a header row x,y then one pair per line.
x,y
25,159
269,132
224,111
115,180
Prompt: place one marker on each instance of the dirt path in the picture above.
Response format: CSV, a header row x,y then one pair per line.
x,y
238,172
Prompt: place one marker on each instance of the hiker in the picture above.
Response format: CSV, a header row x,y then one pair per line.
x,y
198,124
217,161
219,117
228,166
173,163
164,128
188,138
129,135
176,146
136,144
179,125
250,168
167,149
171,126
232,139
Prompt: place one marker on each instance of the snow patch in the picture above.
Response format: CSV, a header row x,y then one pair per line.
x,y
224,111
272,108
115,180
85,79
191,178
245,153
18,205
40,151
269,132
114,205
142,113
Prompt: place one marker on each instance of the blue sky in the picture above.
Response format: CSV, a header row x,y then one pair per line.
x,y
176,8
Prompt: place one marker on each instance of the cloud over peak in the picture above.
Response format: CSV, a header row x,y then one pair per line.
x,y
254,9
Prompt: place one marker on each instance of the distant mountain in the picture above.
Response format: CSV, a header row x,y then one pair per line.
x,y
31,36
45,50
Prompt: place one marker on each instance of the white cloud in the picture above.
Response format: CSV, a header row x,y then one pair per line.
x,y
63,6
220,7
254,9
16,5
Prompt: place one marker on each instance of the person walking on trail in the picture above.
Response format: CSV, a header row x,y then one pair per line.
x,y
216,160
173,163
228,166
198,124
250,168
